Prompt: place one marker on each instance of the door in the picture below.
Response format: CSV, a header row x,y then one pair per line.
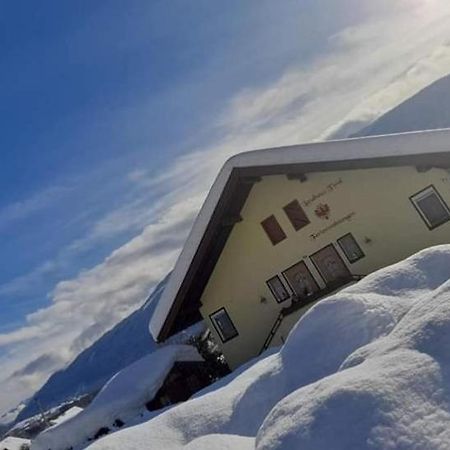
x,y
330,265
301,280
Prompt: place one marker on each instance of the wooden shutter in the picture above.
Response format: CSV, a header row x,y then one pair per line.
x,y
273,230
296,215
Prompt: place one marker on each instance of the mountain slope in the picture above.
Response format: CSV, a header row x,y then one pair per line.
x,y
125,343
428,109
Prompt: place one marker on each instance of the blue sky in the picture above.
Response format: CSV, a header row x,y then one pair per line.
x,y
87,97
116,116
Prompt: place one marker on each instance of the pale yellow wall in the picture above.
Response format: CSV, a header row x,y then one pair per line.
x,y
379,199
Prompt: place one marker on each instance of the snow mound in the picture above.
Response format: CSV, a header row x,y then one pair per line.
x,y
367,368
122,397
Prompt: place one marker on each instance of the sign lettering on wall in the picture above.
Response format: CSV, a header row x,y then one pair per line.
x,y
332,225
326,190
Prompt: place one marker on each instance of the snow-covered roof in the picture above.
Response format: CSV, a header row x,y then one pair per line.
x,y
418,148
13,443
67,415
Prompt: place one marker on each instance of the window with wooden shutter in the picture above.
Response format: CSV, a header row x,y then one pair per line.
x,y
273,230
296,215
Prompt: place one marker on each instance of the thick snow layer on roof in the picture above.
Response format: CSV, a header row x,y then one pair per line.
x,y
13,443
122,397
368,368
69,414
416,143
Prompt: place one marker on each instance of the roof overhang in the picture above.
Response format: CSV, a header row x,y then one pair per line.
x,y
232,186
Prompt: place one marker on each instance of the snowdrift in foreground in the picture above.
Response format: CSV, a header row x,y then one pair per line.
x,y
368,368
121,398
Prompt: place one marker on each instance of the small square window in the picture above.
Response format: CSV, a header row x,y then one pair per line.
x,y
351,248
223,325
278,289
431,207
273,230
296,215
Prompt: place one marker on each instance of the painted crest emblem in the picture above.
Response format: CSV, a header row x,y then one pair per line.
x,y
323,211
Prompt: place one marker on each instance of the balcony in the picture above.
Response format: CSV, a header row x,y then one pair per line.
x,y
298,303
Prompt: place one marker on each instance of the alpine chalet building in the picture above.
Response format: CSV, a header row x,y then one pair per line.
x,y
282,228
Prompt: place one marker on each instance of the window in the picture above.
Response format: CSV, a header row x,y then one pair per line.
x,y
350,247
277,288
301,280
296,215
331,266
223,325
273,230
431,207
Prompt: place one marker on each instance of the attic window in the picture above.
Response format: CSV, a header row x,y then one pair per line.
x,y
296,215
273,230
431,207
223,325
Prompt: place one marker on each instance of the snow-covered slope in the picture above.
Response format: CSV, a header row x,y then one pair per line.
x,y
125,343
429,109
367,368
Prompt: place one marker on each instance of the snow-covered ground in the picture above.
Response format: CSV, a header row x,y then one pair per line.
x,y
368,368
122,398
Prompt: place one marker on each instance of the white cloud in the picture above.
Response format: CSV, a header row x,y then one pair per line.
x,y
38,202
372,66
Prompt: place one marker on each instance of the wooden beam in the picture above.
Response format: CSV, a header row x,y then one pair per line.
x,y
423,169
297,176
229,221
250,180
